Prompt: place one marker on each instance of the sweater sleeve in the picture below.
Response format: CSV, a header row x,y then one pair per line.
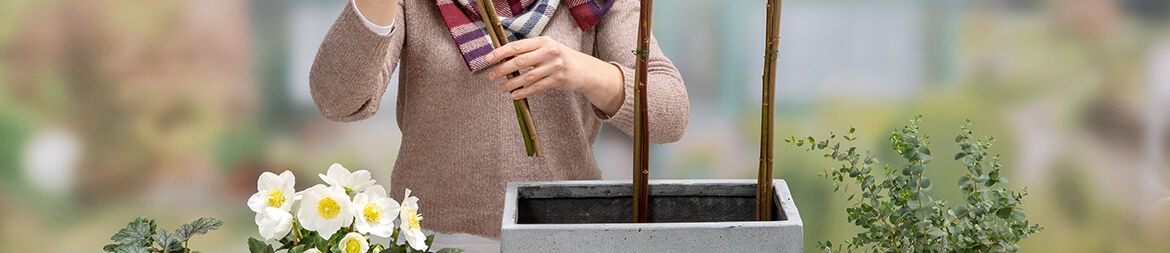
x,y
666,95
353,66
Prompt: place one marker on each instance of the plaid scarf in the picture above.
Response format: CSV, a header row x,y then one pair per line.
x,y
520,18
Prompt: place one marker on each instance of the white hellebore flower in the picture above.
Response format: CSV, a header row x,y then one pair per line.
x,y
354,243
273,191
410,227
357,181
375,212
325,209
274,223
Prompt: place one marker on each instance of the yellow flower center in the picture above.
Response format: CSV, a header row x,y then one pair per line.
x,y
352,246
412,219
328,208
275,198
373,212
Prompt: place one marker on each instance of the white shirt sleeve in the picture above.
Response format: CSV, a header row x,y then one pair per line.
x,y
380,30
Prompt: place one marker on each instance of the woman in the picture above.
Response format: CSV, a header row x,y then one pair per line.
x,y
460,140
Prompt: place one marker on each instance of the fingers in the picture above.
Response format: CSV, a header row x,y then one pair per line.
x,y
532,76
532,59
548,82
516,48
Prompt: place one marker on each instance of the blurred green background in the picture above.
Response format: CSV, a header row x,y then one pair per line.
x,y
111,109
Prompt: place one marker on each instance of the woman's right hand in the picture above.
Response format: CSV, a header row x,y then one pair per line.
x,y
380,12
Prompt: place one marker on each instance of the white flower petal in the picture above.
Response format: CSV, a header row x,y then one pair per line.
x,y
416,239
334,175
258,201
266,180
288,178
274,223
326,179
359,181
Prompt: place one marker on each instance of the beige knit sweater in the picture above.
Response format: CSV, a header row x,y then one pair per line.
x,y
460,140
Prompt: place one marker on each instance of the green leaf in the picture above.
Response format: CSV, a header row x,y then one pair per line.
x,y
1003,212
167,240
917,169
1018,215
136,233
258,246
935,233
297,249
313,240
960,155
449,250
198,227
981,178
430,240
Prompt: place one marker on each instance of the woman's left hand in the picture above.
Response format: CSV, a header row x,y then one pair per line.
x,y
556,66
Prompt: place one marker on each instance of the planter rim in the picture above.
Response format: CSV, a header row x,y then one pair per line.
x,y
779,185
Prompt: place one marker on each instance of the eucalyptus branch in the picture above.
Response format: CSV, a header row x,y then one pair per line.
x,y
989,220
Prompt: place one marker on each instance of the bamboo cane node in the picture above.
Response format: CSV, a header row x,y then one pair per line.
x,y
771,54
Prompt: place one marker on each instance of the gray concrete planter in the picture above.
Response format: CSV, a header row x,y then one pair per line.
x,y
685,216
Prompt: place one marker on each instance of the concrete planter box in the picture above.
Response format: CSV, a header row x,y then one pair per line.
x,y
685,216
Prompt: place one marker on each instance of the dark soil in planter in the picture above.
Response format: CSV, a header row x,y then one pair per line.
x,y
613,204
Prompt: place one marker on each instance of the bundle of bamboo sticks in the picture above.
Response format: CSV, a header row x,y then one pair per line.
x,y
771,52
491,21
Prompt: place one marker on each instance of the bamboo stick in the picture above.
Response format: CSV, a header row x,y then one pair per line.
x,y
491,21
641,129
772,44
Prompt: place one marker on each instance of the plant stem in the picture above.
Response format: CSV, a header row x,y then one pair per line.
x,y
491,21
641,124
767,128
296,232
395,237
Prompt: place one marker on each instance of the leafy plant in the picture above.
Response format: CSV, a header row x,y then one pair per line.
x,y
143,235
895,211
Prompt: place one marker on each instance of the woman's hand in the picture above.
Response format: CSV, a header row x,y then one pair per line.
x,y
556,66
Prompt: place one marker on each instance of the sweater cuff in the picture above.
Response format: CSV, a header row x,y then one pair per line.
x,y
624,118
380,30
